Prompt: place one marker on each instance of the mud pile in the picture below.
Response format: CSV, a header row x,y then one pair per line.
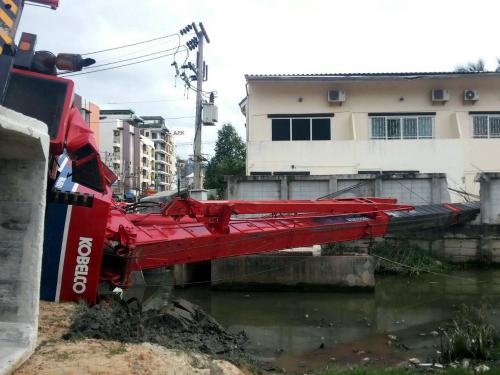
x,y
180,325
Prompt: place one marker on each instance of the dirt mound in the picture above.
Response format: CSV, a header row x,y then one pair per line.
x,y
55,356
181,325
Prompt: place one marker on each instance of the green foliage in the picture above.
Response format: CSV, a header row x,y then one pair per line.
x,y
405,257
472,67
229,158
470,335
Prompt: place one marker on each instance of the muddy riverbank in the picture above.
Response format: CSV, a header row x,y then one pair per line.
x,y
58,356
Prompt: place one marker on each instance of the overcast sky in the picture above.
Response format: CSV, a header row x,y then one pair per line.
x,y
262,36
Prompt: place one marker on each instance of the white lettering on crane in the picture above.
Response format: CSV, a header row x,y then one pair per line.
x,y
82,268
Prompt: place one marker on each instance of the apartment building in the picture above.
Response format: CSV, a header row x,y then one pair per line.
x,y
147,178
90,112
322,124
154,128
120,148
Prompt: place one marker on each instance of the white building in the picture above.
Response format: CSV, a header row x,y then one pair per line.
x,y
120,149
352,123
147,179
154,128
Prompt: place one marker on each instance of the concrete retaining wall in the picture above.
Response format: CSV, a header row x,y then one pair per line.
x,y
23,177
294,272
411,188
490,197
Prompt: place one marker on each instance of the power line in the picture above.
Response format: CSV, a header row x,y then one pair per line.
x,y
130,45
132,58
147,101
118,66
143,49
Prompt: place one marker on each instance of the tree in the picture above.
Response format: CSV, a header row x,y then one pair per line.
x,y
229,158
472,67
498,66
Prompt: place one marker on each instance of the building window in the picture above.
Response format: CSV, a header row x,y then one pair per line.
x,y
486,126
402,127
153,135
301,129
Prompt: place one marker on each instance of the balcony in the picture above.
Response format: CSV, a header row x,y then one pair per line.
x,y
161,151
158,161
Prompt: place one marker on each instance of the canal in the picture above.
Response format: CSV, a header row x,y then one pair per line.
x,y
303,331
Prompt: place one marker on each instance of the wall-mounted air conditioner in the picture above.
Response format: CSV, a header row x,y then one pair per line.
x,y
336,96
471,95
440,95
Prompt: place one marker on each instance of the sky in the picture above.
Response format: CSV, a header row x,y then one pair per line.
x,y
256,37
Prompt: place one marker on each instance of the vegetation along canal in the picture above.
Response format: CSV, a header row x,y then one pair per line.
x,y
399,321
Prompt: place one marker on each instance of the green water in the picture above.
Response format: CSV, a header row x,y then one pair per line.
x,y
289,328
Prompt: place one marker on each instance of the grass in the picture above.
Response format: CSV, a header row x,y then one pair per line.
x,y
402,371
118,349
402,256
469,335
413,257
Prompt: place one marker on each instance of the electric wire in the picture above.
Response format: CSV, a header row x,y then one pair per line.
x,y
115,67
146,101
129,45
142,50
131,58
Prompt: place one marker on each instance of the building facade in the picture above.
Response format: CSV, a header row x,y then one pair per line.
x,y
147,178
154,128
380,122
90,112
120,148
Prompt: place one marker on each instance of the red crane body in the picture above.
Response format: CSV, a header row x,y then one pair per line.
x,y
89,238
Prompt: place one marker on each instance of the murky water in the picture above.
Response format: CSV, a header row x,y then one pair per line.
x,y
305,330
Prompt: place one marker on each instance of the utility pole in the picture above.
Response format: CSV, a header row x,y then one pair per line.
x,y
198,158
200,73
200,70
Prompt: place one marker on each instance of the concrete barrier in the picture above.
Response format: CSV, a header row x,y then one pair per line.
x,y
281,272
24,144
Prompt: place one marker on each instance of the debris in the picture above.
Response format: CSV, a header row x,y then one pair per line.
x,y
333,359
306,316
414,361
180,325
392,337
465,363
434,333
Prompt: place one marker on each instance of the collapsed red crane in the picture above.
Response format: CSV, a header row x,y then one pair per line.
x,y
90,239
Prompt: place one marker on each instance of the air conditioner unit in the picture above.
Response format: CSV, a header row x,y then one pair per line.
x,y
471,95
440,95
209,114
336,96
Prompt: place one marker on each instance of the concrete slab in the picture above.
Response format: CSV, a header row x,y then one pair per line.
x,y
24,144
332,273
